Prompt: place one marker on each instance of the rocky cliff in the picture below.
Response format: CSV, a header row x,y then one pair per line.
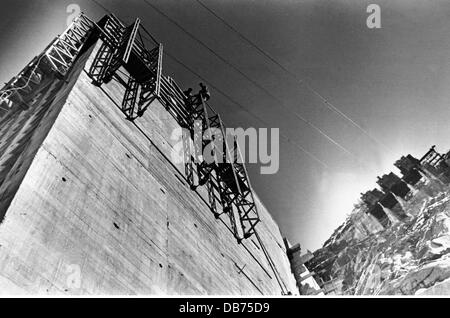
x,y
410,256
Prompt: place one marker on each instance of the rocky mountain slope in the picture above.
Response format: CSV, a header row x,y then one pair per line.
x,y
409,257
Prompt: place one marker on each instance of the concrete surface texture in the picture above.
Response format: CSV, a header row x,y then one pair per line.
x,y
92,204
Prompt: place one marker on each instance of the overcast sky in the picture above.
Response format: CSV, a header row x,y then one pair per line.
x,y
393,82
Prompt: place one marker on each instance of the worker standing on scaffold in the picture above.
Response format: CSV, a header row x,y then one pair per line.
x,y
204,92
194,102
189,100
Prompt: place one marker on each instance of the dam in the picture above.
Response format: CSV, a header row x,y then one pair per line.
x,y
91,200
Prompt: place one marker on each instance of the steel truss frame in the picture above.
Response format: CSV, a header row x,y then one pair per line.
x,y
226,178
432,157
57,58
124,47
227,183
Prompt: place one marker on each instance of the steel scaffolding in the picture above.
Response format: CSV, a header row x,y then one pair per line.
x,y
225,176
124,57
124,47
56,60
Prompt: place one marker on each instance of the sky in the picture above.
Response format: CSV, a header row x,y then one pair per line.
x,y
393,82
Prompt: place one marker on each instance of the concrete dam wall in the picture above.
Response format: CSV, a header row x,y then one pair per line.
x,y
91,203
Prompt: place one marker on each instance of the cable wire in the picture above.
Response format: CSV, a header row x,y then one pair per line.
x,y
302,149
289,140
298,116
325,101
14,89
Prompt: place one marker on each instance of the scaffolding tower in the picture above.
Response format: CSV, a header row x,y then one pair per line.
x,y
54,62
125,57
226,178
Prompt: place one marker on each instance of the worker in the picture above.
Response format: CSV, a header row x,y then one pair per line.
x,y
189,100
204,92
